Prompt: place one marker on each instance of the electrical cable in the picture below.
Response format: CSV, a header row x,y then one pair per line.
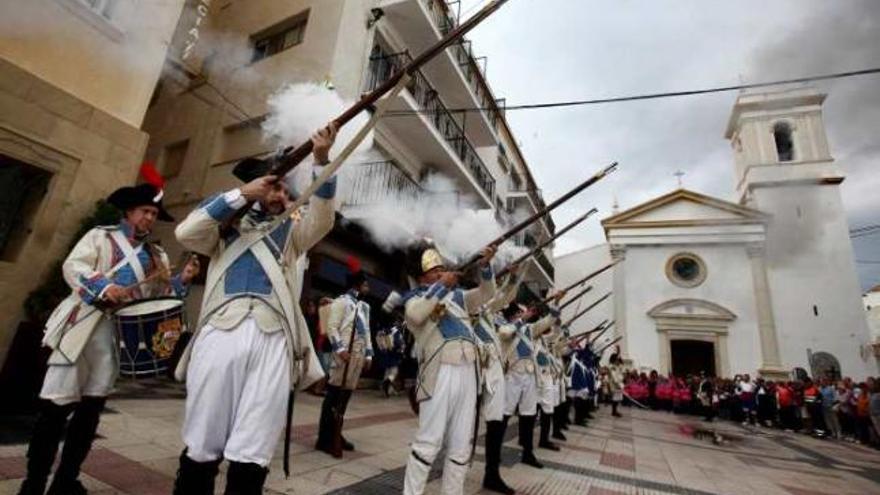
x,y
651,96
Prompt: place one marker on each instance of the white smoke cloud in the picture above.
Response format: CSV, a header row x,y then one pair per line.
x,y
441,214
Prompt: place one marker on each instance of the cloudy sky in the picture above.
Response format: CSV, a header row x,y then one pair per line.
x,y
556,50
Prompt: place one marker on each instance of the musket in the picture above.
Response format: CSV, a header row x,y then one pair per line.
x,y
575,297
288,160
594,339
516,229
606,346
582,336
546,243
579,282
591,306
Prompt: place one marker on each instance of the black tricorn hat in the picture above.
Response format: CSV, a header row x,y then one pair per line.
x,y
126,198
251,168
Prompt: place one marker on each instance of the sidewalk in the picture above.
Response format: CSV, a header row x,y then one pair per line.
x,y
643,452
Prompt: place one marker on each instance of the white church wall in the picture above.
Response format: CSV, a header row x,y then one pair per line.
x,y
574,266
810,264
728,284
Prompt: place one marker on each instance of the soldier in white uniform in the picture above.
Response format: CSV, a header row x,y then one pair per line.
x,y
438,315
107,267
348,328
252,345
521,386
549,378
493,381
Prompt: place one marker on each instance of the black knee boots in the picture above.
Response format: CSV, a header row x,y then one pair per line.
x,y
326,423
494,439
544,442
77,443
346,397
44,446
559,422
334,397
244,478
527,440
195,478
580,412
565,414
614,412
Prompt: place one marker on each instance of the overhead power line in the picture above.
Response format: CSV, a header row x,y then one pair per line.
x,y
652,96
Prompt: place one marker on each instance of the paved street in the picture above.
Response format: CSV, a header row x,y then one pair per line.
x,y
643,452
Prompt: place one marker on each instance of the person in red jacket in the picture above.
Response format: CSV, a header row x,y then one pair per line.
x,y
785,401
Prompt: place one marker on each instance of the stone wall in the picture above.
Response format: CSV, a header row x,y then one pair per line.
x,y
89,152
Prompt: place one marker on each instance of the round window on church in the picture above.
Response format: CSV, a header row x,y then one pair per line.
x,y
686,270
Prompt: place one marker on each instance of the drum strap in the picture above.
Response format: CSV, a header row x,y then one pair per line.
x,y
129,256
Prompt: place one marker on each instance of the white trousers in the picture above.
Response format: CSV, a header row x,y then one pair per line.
x,y
494,401
520,390
93,374
548,395
447,418
236,394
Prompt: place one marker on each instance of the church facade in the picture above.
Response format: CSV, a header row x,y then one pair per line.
x,y
763,285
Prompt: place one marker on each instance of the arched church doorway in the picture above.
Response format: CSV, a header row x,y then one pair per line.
x,y
690,357
825,365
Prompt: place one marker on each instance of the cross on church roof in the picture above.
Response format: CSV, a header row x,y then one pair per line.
x,y
679,174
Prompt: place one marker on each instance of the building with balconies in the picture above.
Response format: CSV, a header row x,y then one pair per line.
x,y
205,114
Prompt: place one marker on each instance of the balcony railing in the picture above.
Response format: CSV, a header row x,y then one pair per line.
x,y
383,66
446,21
370,183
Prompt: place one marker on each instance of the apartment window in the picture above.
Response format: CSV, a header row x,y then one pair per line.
x,y
173,158
280,37
22,189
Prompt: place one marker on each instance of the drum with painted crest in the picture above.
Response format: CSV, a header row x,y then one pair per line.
x,y
148,331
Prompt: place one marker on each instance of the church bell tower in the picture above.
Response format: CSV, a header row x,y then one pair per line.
x,y
784,168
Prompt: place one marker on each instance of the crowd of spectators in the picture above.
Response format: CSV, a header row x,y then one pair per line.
x,y
843,409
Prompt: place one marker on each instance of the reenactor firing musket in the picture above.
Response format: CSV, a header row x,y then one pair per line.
x,y
546,243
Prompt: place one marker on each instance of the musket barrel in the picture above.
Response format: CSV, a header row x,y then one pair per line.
x,y
575,297
586,278
588,308
516,229
547,242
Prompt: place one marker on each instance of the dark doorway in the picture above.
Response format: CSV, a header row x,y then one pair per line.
x,y
690,357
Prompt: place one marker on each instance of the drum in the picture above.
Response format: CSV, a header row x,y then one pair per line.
x,y
148,331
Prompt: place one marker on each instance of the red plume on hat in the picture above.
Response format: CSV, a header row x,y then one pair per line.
x,y
355,273
152,177
354,264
